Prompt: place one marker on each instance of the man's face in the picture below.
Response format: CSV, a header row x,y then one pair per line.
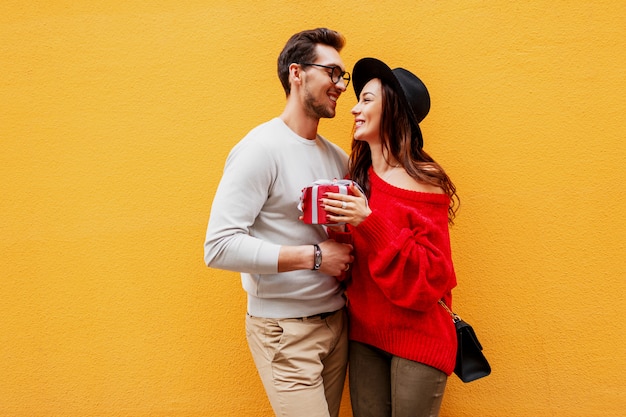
x,y
320,94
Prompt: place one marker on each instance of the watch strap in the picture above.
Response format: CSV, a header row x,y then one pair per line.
x,y
317,257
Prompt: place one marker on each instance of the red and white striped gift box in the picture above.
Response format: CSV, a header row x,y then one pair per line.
x,y
310,204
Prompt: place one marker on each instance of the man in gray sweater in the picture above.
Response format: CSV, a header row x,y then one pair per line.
x,y
295,323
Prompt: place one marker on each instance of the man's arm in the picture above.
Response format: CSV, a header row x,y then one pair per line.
x,y
335,257
239,198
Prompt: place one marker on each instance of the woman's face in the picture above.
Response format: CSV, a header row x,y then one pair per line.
x,y
368,112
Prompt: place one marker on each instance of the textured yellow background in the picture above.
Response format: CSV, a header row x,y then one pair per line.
x,y
115,121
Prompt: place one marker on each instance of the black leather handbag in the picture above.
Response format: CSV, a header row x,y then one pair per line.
x,y
471,364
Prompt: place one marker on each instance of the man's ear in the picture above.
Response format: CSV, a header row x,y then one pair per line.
x,y
295,73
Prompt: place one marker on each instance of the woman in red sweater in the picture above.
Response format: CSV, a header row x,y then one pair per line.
x,y
402,342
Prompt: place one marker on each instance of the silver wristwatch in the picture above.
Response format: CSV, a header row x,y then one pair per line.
x,y
317,257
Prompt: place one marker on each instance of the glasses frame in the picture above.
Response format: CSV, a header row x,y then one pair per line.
x,y
343,75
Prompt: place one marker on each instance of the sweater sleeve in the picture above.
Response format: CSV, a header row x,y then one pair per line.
x,y
240,196
411,266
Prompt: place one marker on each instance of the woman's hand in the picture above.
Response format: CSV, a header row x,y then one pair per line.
x,y
351,209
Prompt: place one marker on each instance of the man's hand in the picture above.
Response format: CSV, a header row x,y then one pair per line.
x,y
336,257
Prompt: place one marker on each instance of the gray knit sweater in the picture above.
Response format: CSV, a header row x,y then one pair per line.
x,y
255,211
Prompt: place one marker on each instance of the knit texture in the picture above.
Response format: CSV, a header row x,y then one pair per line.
x,y
255,212
403,266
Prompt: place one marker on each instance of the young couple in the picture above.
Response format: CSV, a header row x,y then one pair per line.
x,y
401,345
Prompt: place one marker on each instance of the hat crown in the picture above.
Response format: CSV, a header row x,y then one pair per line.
x,y
409,87
415,93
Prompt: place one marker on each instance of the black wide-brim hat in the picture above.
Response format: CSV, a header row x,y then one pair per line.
x,y
410,88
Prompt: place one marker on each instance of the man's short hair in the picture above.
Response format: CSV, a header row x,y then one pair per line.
x,y
301,48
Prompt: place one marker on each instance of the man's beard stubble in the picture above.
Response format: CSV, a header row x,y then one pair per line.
x,y
315,110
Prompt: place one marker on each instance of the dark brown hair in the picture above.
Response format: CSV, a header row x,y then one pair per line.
x,y
301,48
401,140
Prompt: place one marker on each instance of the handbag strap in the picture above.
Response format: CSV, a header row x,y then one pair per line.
x,y
455,317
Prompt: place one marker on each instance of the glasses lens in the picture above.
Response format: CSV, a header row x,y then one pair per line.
x,y
346,78
336,74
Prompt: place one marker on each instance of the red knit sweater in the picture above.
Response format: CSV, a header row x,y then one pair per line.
x,y
403,266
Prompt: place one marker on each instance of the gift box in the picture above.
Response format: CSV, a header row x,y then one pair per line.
x,y
310,203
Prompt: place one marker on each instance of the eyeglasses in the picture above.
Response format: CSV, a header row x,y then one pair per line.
x,y
336,73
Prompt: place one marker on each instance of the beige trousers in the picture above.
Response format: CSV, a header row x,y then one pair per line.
x,y
301,361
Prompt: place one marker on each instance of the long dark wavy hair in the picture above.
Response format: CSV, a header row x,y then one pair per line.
x,y
401,139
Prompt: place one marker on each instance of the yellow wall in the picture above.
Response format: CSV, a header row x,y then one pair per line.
x,y
116,118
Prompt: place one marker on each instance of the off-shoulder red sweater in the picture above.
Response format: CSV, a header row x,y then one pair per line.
x,y
403,266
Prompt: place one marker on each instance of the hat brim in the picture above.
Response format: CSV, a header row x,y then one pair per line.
x,y
367,69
